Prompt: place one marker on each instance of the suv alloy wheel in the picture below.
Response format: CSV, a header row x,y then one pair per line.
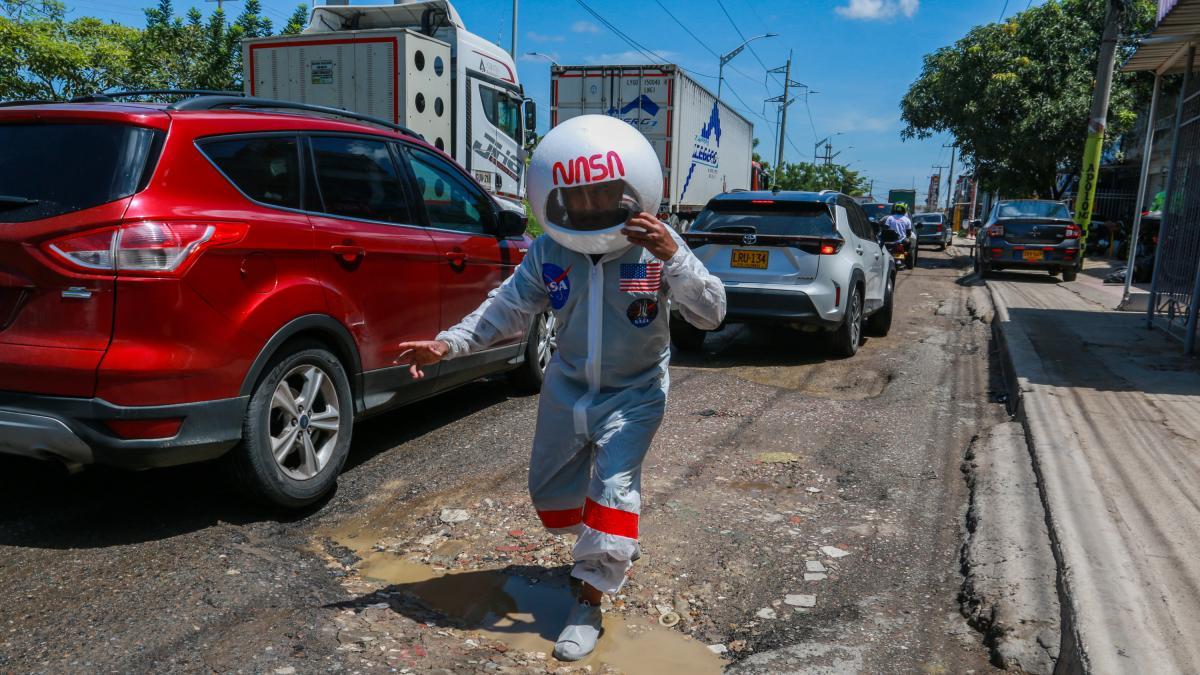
x,y
848,336
540,346
296,433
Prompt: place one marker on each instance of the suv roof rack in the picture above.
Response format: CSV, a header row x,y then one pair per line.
x,y
215,102
31,101
109,96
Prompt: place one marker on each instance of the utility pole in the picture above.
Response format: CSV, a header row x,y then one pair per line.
x,y
950,179
1089,172
784,102
220,4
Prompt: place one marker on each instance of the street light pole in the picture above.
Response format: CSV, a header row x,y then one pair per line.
x,y
544,56
513,51
727,57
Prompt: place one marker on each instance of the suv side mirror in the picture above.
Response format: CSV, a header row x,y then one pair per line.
x,y
510,224
530,115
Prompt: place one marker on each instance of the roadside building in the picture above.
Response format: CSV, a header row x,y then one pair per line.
x,y
1175,287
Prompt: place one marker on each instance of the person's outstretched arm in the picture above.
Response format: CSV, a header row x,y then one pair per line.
x,y
505,313
699,295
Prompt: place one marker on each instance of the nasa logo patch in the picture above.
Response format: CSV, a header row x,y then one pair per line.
x,y
558,285
642,312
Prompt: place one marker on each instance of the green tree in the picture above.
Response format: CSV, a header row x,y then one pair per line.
x,y
297,21
1016,95
43,56
809,177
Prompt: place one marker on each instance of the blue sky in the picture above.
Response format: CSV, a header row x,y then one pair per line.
x,y
860,55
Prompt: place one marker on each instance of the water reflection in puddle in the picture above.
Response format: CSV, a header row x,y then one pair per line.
x,y
528,615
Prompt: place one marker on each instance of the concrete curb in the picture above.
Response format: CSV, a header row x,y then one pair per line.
x,y
1012,341
1010,591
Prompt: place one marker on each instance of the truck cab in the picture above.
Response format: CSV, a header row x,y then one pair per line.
x,y
415,63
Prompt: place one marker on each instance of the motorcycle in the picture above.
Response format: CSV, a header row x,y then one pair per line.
x,y
901,249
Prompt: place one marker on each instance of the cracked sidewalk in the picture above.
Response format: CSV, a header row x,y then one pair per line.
x,y
1112,411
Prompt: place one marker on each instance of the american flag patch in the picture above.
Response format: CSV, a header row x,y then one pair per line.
x,y
641,277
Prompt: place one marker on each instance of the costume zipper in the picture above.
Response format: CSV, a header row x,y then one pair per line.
x,y
595,328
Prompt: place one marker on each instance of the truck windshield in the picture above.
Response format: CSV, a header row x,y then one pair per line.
x,y
1031,209
766,217
503,111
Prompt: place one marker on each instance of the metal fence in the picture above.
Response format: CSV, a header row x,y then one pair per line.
x,y
1176,284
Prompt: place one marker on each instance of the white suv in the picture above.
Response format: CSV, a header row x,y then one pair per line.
x,y
807,259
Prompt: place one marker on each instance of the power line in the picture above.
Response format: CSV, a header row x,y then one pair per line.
x,y
741,35
687,30
654,58
1004,11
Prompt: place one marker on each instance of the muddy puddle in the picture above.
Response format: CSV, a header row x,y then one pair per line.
x,y
527,615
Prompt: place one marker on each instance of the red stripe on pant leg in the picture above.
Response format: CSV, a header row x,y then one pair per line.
x,y
561,519
609,520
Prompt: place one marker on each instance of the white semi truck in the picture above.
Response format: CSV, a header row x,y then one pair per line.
x,y
705,147
413,63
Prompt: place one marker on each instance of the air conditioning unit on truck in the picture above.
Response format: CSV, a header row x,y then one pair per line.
x,y
705,147
413,63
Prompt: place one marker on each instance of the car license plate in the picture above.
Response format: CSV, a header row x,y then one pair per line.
x,y
1033,255
755,260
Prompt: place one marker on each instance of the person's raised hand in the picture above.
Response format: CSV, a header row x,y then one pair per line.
x,y
422,353
651,234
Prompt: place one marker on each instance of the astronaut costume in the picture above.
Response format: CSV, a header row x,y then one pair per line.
x,y
605,390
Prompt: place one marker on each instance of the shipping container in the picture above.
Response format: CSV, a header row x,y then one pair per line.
x,y
705,147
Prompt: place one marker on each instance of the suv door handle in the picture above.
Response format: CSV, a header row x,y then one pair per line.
x,y
456,258
858,250
349,253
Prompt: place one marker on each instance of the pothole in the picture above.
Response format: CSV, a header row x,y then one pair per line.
x,y
849,384
527,612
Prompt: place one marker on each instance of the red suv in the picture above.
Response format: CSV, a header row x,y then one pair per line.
x,y
229,277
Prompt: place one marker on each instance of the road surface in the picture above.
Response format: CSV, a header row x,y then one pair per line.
x,y
800,514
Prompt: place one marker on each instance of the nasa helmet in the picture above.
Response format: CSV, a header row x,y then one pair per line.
x,y
588,176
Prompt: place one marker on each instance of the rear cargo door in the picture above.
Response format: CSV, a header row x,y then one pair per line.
x,y
1035,232
64,187
642,97
761,241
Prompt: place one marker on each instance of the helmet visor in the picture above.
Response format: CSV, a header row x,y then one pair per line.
x,y
597,206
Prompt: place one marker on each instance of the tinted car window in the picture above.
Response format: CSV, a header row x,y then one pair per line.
x,y
1032,209
358,179
928,218
856,225
771,218
51,169
877,212
267,170
451,200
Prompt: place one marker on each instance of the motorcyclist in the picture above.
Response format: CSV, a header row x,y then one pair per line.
x,y
607,270
900,223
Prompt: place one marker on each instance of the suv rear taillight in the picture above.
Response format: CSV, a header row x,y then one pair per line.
x,y
831,246
1073,232
996,231
143,248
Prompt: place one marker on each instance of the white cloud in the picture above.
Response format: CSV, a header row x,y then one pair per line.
x,y
540,37
876,10
584,27
629,57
